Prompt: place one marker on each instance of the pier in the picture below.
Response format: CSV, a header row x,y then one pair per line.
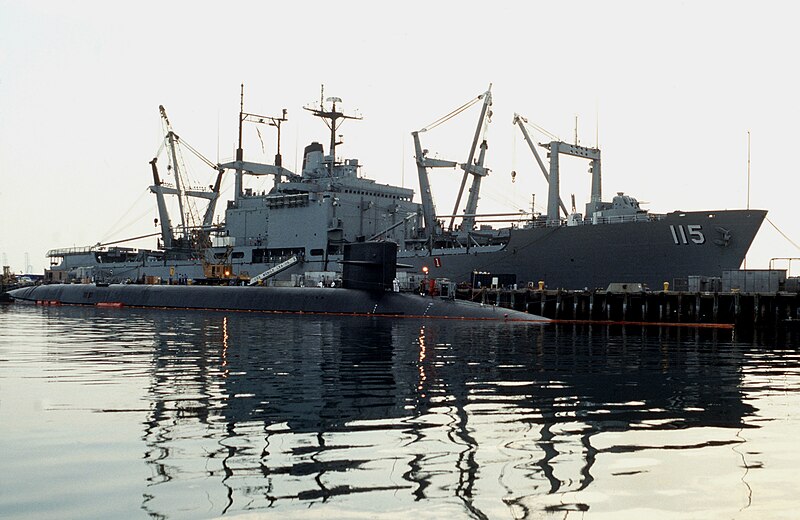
x,y
740,309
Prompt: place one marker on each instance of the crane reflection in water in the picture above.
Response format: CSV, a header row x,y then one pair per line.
x,y
270,412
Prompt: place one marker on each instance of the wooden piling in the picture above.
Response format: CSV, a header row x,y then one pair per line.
x,y
747,310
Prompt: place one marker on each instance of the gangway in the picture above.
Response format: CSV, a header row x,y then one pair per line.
x,y
272,271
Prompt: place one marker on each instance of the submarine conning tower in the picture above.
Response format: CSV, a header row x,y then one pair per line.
x,y
369,266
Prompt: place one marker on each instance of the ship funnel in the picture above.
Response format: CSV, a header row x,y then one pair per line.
x,y
312,160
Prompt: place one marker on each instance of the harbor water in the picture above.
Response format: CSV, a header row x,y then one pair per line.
x,y
126,413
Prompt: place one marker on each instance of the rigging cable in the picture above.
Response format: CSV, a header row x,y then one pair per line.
x,y
782,233
190,208
127,239
160,148
503,199
113,229
198,154
538,128
452,114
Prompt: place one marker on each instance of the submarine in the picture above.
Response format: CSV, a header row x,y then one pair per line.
x,y
368,272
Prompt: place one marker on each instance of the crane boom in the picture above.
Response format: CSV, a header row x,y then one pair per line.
x,y
208,218
487,102
478,172
431,225
171,140
519,120
158,189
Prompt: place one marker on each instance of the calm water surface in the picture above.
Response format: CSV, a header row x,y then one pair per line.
x,y
122,413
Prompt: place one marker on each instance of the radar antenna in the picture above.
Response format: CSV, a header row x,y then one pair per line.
x,y
333,120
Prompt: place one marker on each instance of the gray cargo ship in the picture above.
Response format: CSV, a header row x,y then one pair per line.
x,y
295,233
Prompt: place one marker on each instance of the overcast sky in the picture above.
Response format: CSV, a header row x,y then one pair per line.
x,y
671,89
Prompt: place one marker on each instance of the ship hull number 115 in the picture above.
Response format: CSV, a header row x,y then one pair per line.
x,y
690,234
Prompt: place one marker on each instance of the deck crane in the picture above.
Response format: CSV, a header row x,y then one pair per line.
x,y
158,188
476,169
478,172
186,208
555,148
432,226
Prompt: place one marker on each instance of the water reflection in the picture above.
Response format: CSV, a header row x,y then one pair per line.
x,y
231,413
285,411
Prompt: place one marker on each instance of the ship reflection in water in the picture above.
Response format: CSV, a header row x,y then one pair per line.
x,y
358,417
314,410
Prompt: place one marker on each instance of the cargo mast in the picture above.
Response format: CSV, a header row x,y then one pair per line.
x,y
475,167
183,192
555,148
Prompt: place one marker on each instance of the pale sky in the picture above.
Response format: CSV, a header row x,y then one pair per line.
x,y
671,88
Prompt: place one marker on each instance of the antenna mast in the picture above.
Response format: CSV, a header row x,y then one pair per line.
x,y
256,118
333,120
576,130
239,151
596,126
748,169
748,185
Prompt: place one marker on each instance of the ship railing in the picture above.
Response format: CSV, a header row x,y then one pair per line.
x,y
640,217
645,217
69,251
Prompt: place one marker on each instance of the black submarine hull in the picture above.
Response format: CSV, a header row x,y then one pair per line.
x,y
297,300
